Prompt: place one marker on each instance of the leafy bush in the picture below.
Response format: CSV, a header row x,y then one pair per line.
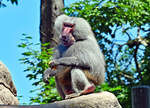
x,y
36,62
122,30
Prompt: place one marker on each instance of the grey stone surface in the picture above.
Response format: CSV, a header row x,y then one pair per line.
x,y
8,90
95,100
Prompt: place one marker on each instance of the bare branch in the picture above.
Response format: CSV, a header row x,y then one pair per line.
x,y
136,62
140,39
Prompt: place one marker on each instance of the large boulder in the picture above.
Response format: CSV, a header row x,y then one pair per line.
x,y
95,100
8,90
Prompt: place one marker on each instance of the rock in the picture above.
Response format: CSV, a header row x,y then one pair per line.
x,y
6,96
95,100
8,90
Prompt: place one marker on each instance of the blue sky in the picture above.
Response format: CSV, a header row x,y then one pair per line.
x,y
14,21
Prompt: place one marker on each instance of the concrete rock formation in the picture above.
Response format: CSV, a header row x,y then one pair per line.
x,y
95,100
8,90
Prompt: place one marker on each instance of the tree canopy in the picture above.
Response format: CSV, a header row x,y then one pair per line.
x,y
122,29
2,4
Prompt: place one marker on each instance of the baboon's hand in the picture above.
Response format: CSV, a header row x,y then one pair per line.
x,y
53,64
47,74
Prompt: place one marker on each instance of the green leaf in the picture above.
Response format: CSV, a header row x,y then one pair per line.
x,y
27,53
22,45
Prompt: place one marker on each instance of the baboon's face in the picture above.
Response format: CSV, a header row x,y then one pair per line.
x,y
67,37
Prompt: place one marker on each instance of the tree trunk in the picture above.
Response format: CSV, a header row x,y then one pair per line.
x,y
50,9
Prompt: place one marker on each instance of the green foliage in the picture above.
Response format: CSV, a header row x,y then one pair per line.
x,y
146,64
13,1
122,29
4,5
36,62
